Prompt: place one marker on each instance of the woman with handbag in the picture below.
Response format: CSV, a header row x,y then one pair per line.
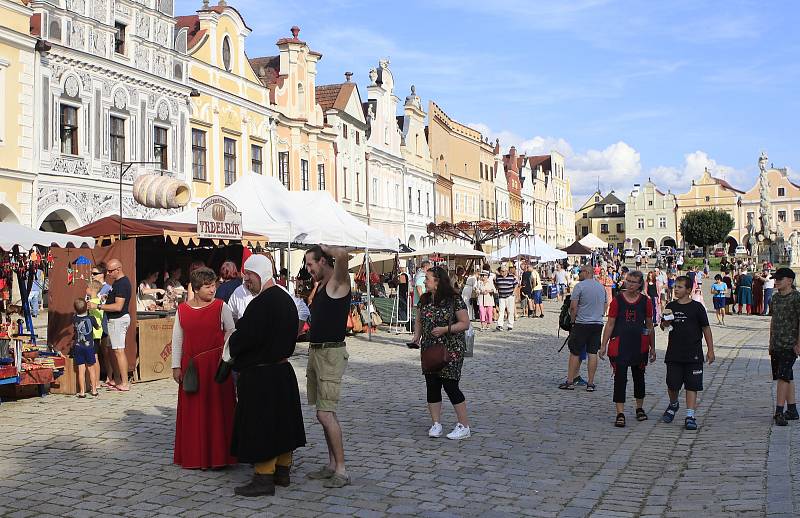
x,y
441,322
204,424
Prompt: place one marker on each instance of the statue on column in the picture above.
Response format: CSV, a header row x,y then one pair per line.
x,y
794,251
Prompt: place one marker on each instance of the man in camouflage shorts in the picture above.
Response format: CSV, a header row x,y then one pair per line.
x,y
784,343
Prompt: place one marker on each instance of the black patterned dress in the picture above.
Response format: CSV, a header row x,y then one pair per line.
x,y
432,316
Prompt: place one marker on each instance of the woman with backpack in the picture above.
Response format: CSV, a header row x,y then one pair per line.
x,y
629,341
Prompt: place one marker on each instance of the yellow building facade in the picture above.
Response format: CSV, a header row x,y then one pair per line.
x,y
16,113
232,126
456,149
304,143
710,192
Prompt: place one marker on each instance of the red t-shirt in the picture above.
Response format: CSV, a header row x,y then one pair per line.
x,y
613,309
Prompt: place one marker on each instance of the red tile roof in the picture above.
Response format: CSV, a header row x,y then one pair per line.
x,y
192,23
726,185
536,160
36,24
267,68
334,96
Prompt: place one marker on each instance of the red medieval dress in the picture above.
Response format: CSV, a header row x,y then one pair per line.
x,y
204,425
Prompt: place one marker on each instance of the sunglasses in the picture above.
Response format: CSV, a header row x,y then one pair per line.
x,y
96,273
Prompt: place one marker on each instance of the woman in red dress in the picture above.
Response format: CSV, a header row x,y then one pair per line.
x,y
204,425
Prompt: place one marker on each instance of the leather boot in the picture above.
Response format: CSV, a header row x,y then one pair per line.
x,y
261,485
282,476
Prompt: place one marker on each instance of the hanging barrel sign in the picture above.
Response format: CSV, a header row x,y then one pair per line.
x,y
217,218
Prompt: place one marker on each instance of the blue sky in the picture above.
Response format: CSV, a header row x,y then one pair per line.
x,y
626,89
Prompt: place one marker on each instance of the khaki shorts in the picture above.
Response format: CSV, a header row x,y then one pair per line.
x,y
118,330
324,376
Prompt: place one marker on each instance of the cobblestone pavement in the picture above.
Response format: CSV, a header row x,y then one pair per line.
x,y
535,450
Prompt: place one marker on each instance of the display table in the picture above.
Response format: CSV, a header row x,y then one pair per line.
x,y
155,345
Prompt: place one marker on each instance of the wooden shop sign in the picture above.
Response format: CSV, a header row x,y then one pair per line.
x,y
217,218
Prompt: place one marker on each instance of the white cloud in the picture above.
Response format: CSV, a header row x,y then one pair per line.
x,y
679,179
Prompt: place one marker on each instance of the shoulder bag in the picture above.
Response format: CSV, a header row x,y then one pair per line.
x,y
191,379
434,357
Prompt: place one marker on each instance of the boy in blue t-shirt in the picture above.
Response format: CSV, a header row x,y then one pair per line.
x,y
83,350
718,290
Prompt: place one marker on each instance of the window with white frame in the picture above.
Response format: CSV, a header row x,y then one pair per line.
x,y
69,129
116,135
374,191
199,155
229,159
662,222
304,175
283,168
321,176
640,223
256,160
161,147
346,181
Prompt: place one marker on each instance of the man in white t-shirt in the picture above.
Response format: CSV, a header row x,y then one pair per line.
x,y
251,287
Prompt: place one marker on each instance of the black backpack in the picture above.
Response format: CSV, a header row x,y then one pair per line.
x,y
564,319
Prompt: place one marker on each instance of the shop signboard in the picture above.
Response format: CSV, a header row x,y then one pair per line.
x,y
217,218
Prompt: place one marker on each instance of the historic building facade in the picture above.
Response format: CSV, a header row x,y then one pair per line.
x,y
456,149
501,186
17,138
707,192
342,105
650,217
304,143
231,124
112,89
603,216
553,216
385,165
419,180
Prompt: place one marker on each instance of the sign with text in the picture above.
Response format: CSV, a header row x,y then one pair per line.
x,y
217,218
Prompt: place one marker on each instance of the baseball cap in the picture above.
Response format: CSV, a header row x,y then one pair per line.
x,y
782,273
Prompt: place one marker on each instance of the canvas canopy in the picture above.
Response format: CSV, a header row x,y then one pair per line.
x,y
108,228
533,247
447,249
592,241
304,218
12,234
577,249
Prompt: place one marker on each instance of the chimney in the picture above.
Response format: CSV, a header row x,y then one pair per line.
x,y
295,31
348,76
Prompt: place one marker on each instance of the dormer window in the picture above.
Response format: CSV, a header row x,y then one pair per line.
x,y
226,53
781,191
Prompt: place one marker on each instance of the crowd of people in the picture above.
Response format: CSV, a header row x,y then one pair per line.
x,y
247,322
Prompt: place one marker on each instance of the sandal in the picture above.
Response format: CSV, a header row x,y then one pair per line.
x,y
590,387
567,386
620,421
640,415
80,396
690,423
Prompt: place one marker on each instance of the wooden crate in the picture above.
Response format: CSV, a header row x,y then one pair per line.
x,y
155,349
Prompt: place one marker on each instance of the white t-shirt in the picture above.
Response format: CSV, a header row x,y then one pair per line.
x,y
769,283
561,277
239,300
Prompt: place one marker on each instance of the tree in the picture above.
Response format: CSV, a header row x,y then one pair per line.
x,y
706,227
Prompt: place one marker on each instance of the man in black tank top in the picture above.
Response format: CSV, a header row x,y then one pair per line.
x,y
327,354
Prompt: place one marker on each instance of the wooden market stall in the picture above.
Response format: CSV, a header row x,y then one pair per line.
x,y
24,361
146,246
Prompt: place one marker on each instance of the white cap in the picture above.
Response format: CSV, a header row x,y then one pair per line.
x,y
260,265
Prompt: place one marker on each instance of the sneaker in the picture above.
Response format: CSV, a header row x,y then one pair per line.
x,y
791,415
459,432
780,419
509,328
691,423
498,328
579,381
435,431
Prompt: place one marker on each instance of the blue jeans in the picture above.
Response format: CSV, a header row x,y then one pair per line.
x,y
767,299
34,299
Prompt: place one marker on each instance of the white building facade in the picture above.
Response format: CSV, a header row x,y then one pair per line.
x,y
418,176
650,217
385,165
113,90
343,110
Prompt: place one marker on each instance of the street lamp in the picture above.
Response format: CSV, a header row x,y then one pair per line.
x,y
127,166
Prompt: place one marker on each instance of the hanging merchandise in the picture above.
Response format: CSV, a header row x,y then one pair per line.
x,y
83,268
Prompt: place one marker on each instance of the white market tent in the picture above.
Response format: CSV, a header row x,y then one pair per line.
x,y
448,249
12,234
532,247
305,218
592,241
